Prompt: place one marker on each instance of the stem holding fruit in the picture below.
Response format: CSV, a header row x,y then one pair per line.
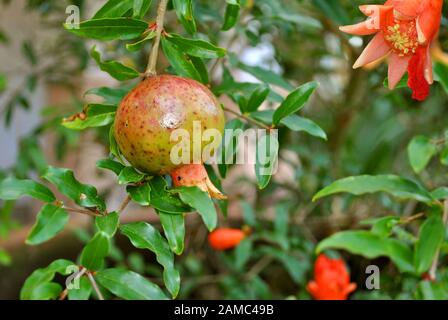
x,y
151,69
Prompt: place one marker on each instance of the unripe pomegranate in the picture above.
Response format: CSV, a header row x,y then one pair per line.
x,y
150,113
225,238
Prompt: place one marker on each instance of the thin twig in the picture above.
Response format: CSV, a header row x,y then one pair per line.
x,y
152,63
95,286
407,220
258,267
124,204
78,276
246,118
435,262
86,212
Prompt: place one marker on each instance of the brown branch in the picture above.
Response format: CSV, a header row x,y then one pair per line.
x,y
95,286
124,204
152,63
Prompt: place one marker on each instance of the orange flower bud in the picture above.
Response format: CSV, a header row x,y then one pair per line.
x,y
225,238
332,280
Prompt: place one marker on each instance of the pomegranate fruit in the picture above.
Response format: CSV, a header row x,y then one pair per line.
x,y
147,117
225,238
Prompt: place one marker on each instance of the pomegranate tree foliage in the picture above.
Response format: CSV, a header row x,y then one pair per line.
x,y
375,142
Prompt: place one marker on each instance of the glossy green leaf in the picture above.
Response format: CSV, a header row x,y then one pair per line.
x,y
163,200
242,254
184,12
46,291
174,229
83,194
44,275
231,15
83,292
201,202
432,233
144,236
296,123
180,63
108,224
420,152
114,68
114,9
97,115
140,194
394,185
295,101
197,47
371,246
12,189
137,46
110,29
50,221
130,175
267,159
141,7
229,146
257,97
94,253
111,165
129,285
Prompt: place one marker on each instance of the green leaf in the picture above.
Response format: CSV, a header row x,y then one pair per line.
x,y
114,68
97,115
257,97
382,226
394,185
94,253
229,144
141,7
140,194
83,194
12,189
420,152
129,285
5,258
42,276
108,164
130,175
440,193
202,202
114,9
136,46
371,246
174,229
83,292
433,291
267,159
200,66
295,101
113,145
46,291
296,123
231,15
441,74
108,224
109,29
432,233
50,221
444,157
197,47
181,65
111,96
184,12
145,236
163,200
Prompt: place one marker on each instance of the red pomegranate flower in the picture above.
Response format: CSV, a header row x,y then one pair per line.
x,y
405,30
332,281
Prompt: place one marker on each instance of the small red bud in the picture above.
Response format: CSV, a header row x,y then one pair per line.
x,y
225,238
